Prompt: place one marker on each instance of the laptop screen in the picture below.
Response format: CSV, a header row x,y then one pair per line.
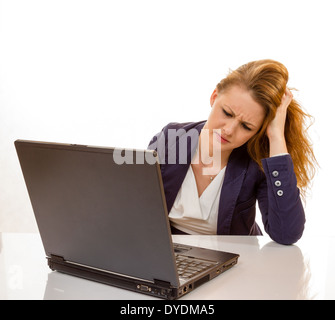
x,y
96,207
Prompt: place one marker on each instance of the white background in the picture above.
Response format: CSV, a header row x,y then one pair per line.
x,y
113,73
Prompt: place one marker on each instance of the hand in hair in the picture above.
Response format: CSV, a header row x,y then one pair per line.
x,y
276,129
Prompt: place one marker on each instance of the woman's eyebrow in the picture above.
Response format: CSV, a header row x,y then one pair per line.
x,y
233,114
249,124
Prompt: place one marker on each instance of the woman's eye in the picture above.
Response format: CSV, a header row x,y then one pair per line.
x,y
245,127
226,113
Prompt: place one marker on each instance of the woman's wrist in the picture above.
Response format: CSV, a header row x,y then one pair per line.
x,y
277,145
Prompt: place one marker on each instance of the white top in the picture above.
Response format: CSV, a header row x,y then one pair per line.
x,y
193,214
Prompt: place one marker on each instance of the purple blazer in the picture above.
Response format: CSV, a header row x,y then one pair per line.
x,y
275,189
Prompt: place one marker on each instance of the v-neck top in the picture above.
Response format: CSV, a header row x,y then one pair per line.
x,y
193,214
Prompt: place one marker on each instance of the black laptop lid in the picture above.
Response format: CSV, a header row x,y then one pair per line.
x,y
93,211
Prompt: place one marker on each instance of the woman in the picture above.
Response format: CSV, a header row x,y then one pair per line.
x,y
252,148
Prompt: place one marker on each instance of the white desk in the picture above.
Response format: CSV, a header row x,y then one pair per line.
x,y
265,270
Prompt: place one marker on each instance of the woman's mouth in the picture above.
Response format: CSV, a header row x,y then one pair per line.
x,y
220,138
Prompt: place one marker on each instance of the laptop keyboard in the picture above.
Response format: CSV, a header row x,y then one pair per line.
x,y
189,267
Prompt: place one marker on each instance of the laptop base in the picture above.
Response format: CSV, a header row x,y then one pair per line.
x,y
160,289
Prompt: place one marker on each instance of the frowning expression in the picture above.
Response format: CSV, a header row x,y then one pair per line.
x,y
235,118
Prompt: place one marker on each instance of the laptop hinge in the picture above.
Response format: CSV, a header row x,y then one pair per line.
x,y
57,258
161,283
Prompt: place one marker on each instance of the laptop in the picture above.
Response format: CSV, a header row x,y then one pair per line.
x,y
102,216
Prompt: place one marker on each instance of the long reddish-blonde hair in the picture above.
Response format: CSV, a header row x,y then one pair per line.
x,y
266,81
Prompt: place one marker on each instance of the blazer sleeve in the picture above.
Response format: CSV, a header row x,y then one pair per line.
x,y
279,201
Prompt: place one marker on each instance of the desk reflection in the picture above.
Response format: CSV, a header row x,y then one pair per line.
x,y
61,286
284,273
266,270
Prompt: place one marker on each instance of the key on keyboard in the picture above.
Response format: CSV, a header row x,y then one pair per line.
x,y
188,267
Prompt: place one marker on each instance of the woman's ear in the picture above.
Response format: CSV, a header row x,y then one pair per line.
x,y
213,97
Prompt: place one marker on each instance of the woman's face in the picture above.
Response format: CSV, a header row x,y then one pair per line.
x,y
235,117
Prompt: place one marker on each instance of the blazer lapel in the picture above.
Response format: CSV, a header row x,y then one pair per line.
x,y
174,173
234,177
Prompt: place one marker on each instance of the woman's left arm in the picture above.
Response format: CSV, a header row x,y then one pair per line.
x,y
279,198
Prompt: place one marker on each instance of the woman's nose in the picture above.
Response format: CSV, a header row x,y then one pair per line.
x,y
229,127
